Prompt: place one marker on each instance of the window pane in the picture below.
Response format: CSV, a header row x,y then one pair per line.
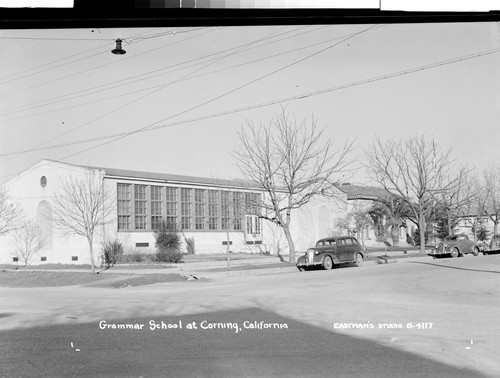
x,y
123,206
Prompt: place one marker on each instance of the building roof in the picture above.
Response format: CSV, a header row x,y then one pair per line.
x,y
178,179
359,192
154,176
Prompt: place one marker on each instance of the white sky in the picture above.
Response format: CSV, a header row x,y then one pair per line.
x,y
67,81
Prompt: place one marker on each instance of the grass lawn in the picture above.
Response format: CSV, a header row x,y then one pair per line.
x,y
22,278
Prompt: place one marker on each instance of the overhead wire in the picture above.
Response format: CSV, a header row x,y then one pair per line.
x,y
120,83
226,93
53,62
154,126
89,69
158,89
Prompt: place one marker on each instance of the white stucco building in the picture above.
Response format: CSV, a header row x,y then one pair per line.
x,y
196,205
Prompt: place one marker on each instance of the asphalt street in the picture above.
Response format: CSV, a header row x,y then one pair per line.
x,y
300,350
433,318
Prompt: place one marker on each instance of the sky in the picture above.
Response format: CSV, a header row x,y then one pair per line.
x,y
176,100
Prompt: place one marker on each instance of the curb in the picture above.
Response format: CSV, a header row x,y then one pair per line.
x,y
277,270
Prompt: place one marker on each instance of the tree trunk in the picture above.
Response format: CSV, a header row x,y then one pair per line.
x,y
421,228
395,235
91,249
291,245
495,226
227,248
449,223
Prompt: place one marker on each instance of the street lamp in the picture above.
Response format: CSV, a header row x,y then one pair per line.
x,y
118,50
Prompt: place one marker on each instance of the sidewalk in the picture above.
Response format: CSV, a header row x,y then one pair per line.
x,y
212,267
254,265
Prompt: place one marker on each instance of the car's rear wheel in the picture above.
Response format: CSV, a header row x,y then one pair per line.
x,y
359,260
327,263
476,251
455,252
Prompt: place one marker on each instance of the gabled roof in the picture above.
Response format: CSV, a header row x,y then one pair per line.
x,y
177,179
161,177
359,192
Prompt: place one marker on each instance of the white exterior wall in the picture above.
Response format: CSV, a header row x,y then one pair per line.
x,y
206,241
25,189
309,223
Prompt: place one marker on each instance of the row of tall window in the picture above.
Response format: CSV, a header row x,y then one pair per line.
x,y
143,207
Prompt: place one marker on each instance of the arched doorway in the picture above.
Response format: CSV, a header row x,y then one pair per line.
x,y
44,221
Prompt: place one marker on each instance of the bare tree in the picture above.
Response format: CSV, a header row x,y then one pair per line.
x,y
11,215
292,162
491,177
413,169
456,195
28,240
388,215
81,204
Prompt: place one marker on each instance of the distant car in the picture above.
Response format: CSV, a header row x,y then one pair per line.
x,y
455,246
332,251
495,242
494,245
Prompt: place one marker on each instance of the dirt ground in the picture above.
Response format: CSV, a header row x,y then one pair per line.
x,y
21,278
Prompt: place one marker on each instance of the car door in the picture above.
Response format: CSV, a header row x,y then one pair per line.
x,y
464,244
349,250
340,249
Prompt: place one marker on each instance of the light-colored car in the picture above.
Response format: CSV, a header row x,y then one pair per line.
x,y
495,242
455,246
494,246
332,251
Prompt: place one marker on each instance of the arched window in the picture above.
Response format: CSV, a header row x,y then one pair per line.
x,y
44,221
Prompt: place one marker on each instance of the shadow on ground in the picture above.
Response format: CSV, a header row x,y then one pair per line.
x,y
300,350
455,267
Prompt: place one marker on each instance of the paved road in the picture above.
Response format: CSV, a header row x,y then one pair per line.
x,y
42,329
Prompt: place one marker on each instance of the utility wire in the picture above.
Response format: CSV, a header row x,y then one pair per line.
x,y
158,89
160,85
224,94
125,82
93,68
53,62
154,126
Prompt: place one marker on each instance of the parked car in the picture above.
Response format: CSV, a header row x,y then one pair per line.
x,y
494,246
455,246
332,251
495,242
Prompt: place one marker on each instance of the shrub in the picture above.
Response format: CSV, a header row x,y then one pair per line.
x,y
112,250
168,255
190,248
167,237
168,242
147,258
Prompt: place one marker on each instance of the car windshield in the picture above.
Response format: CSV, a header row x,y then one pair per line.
x,y
322,243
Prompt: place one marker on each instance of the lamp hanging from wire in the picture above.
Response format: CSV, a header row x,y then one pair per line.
x,y
118,50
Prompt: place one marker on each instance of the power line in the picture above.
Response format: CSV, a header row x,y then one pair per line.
x,y
162,87
90,69
53,62
81,93
227,93
154,126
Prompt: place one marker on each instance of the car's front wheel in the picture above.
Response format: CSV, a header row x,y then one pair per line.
x,y
476,251
455,252
327,263
359,260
